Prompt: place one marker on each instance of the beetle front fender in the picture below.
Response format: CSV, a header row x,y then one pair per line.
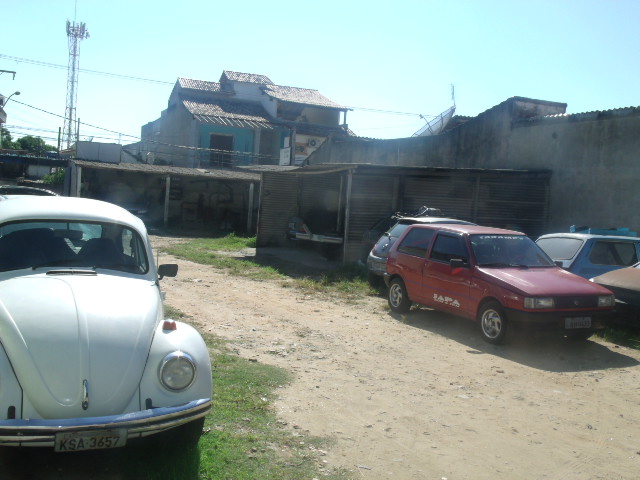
x,y
183,338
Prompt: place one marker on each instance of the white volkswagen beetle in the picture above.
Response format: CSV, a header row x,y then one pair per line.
x,y
87,359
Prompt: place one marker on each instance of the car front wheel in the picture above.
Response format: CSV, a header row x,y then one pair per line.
x,y
493,322
398,298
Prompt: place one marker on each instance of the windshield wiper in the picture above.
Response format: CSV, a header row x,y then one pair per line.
x,y
495,265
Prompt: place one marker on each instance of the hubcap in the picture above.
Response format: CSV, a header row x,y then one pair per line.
x,y
491,323
395,294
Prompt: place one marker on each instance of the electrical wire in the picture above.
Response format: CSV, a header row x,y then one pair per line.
x,y
94,72
163,82
148,80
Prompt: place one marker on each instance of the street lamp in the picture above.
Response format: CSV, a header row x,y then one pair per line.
x,y
9,98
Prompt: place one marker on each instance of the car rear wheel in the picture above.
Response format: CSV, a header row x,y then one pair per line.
x,y
493,322
398,298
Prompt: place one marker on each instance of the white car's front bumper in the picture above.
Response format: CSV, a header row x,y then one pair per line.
x,y
42,432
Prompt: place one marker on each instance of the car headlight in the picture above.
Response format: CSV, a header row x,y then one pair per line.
x,y
606,301
177,371
539,302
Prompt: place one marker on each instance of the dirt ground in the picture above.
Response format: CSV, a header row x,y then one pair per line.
x,y
421,396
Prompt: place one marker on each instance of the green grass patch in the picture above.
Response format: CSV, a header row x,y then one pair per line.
x,y
622,335
348,281
218,252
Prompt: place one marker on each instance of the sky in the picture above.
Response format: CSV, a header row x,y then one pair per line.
x,y
395,64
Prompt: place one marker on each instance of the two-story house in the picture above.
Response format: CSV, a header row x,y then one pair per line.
x,y
244,119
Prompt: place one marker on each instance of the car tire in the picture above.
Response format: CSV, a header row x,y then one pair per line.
x,y
398,297
492,322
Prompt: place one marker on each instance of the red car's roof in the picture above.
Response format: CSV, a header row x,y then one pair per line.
x,y
470,229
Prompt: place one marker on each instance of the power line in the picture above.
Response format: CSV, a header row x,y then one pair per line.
x,y
163,82
84,70
81,123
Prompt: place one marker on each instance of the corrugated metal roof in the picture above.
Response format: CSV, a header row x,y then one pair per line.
x,y
373,169
245,77
300,95
229,113
221,174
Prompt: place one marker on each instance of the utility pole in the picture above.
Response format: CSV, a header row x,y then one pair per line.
x,y
76,33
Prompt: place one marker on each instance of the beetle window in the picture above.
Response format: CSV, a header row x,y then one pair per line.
x,y
72,244
416,242
606,252
447,247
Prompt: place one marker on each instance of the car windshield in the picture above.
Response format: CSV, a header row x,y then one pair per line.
x,y
508,251
40,244
560,248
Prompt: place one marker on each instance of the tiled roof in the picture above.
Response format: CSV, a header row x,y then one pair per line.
x,y
300,95
231,113
190,84
245,77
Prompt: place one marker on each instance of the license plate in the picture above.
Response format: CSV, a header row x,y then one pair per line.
x,y
577,322
78,441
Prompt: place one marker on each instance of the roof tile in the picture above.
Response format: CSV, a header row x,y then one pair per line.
x,y
300,95
245,77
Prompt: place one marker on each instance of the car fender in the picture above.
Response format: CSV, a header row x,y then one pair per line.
x,y
183,338
11,392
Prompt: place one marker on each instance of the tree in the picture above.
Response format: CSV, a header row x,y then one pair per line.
x,y
33,145
5,138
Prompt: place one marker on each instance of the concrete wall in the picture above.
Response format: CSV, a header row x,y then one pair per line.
x,y
595,160
104,152
594,157
174,127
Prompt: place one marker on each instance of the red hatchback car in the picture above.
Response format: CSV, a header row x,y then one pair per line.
x,y
498,277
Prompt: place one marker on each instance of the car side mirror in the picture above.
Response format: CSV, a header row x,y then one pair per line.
x,y
167,270
458,263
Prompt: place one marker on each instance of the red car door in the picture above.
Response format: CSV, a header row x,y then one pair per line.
x,y
448,288
412,253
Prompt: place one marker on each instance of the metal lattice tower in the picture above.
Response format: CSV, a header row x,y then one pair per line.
x,y
76,32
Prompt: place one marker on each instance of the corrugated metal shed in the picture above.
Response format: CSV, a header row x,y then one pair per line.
x,y
348,199
173,196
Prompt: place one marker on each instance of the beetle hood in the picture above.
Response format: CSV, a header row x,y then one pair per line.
x,y
551,281
78,338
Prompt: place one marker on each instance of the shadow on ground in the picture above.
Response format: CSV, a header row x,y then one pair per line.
x,y
542,351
